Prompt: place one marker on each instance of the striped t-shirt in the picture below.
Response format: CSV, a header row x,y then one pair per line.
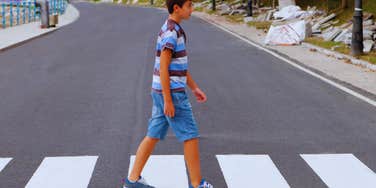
x,y
171,36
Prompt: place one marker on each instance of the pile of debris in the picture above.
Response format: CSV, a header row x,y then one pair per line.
x,y
224,8
291,25
343,33
320,25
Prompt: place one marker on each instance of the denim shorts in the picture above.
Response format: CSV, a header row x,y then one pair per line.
x,y
183,123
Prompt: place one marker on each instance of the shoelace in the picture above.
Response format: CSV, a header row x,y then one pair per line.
x,y
207,185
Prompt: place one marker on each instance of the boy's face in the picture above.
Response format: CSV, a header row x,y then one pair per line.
x,y
185,11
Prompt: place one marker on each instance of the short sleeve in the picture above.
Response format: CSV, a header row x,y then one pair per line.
x,y
169,40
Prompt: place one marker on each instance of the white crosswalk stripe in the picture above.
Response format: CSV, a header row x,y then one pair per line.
x,y
238,170
167,171
4,162
341,170
63,172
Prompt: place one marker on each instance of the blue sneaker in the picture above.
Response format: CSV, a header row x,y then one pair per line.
x,y
203,184
140,183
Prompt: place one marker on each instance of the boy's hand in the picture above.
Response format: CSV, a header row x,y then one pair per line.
x,y
169,109
200,95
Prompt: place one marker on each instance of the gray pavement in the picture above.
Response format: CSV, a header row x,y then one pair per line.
x,y
90,95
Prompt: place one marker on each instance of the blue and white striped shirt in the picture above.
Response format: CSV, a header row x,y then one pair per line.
x,y
171,36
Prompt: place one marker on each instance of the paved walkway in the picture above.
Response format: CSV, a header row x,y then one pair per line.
x,y
18,34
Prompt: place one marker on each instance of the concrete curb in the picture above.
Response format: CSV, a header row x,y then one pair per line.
x,y
18,35
341,56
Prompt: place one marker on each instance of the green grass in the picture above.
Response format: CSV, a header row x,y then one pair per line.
x,y
260,25
328,44
159,3
369,6
199,9
340,47
371,57
234,18
210,11
144,1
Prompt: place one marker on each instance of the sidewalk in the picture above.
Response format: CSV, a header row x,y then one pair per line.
x,y
351,76
18,34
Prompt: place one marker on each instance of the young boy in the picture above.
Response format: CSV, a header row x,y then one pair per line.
x,y
171,106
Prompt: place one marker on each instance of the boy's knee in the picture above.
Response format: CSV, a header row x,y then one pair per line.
x,y
191,140
148,138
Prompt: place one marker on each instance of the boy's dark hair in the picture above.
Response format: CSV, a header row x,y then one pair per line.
x,y
170,4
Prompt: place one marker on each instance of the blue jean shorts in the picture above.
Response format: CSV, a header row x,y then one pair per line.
x,y
183,123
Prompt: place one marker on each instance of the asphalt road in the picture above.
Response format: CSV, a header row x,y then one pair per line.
x,y
85,90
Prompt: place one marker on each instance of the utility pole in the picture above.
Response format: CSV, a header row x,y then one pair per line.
x,y
213,5
249,8
357,32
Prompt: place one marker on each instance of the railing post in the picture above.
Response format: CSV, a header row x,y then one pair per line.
x,y
3,14
29,11
35,10
18,13
11,13
60,6
23,12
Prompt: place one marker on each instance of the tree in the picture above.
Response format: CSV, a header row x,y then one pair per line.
x,y
343,4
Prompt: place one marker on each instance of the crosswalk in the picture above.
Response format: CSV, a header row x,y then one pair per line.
x,y
63,172
238,170
341,170
4,162
159,168
258,168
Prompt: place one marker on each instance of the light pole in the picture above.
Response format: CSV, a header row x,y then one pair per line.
x,y
357,32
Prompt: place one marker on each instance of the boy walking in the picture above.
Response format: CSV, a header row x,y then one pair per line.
x,y
171,106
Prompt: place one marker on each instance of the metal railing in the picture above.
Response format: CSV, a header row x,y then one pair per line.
x,y
17,12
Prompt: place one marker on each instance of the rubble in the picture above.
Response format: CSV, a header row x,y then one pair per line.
x,y
291,33
237,11
291,12
342,35
368,44
316,22
224,9
248,19
332,34
368,22
285,3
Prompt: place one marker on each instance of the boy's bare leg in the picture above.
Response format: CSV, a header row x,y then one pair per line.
x,y
192,158
143,153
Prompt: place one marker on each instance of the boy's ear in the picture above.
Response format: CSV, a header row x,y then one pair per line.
x,y
176,7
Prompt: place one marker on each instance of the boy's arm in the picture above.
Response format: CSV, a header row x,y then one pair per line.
x,y
200,95
190,82
165,60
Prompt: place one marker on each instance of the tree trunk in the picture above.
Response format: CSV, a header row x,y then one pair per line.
x,y
344,4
